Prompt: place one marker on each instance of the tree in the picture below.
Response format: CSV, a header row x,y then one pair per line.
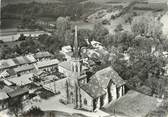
x,y
50,43
144,43
15,106
1,41
140,67
7,52
121,40
84,34
29,46
99,33
63,25
17,49
22,37
118,28
146,25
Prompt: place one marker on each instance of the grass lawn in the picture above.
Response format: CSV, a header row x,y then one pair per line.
x,y
133,104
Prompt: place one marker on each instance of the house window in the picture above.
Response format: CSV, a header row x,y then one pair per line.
x,y
85,101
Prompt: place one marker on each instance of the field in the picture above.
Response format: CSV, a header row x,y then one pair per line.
x,y
6,2
9,23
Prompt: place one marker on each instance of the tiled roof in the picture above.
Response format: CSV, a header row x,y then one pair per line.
x,y
7,63
46,63
16,61
105,75
93,88
30,58
24,59
24,68
6,89
11,72
42,55
22,80
18,92
3,96
30,86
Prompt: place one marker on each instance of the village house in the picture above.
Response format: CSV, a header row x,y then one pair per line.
x,y
24,60
67,51
4,74
21,70
3,100
9,36
40,56
21,93
55,85
15,62
47,65
32,87
7,64
4,89
33,33
96,44
21,80
5,86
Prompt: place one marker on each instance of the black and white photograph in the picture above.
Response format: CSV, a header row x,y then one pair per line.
x,y
83,58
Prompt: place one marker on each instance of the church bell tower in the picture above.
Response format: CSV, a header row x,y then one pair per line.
x,y
74,90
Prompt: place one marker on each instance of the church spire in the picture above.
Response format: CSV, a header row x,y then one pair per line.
x,y
75,46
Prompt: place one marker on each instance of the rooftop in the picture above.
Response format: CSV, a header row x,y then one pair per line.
x,y
6,89
7,63
93,88
105,75
30,86
46,63
3,96
24,68
18,92
22,80
16,61
42,55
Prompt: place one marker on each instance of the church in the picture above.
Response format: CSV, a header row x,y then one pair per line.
x,y
93,93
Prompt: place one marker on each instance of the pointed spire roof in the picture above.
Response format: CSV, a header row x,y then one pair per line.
x,y
75,46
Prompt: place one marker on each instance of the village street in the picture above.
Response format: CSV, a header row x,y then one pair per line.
x,y
53,104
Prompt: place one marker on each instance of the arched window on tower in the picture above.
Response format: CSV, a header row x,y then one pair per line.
x,y
72,68
76,68
85,101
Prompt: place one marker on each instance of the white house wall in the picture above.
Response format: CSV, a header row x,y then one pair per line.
x,y
89,99
106,98
113,91
57,86
64,71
